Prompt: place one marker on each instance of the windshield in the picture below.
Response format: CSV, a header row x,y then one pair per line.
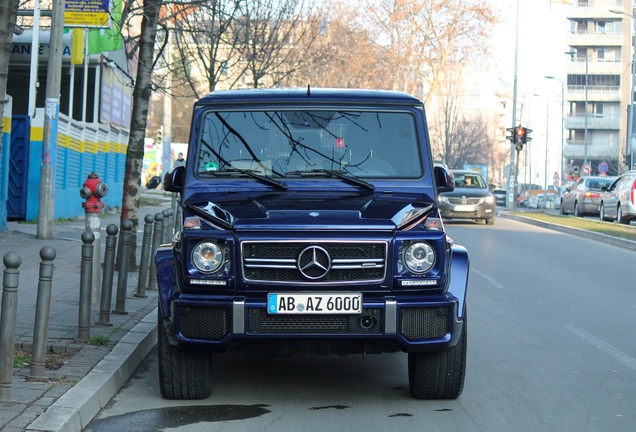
x,y
469,180
292,143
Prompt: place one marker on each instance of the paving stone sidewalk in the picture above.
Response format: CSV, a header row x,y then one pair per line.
x,y
80,378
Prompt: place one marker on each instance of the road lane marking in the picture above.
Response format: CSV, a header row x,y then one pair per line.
x,y
619,355
488,278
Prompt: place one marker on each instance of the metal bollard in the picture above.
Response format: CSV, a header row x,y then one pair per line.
x,y
144,263
177,219
86,282
42,308
168,224
122,276
156,241
165,232
107,281
10,280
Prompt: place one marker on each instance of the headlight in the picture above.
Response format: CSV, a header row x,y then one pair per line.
x,y
490,199
207,257
419,257
442,199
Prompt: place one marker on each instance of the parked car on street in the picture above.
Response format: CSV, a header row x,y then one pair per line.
x,y
618,201
542,200
584,196
471,198
500,197
309,225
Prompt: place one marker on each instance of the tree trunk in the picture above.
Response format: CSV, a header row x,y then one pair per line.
x,y
141,102
8,14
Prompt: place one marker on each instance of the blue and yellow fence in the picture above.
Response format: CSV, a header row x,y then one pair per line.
x,y
5,141
82,148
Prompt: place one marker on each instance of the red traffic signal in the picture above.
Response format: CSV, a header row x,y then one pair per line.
x,y
520,135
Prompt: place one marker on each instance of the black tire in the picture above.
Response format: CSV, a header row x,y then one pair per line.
x,y
561,208
577,211
619,216
183,373
490,221
601,212
439,374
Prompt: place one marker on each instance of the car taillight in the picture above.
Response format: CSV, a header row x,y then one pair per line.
x,y
592,195
632,193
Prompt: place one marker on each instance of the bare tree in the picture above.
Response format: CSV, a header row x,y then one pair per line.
x,y
141,98
342,54
8,15
458,140
421,39
205,47
275,37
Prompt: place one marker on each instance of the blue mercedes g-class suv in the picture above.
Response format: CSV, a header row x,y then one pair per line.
x,y
310,226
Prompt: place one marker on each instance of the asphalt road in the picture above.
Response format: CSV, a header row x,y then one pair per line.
x,y
552,347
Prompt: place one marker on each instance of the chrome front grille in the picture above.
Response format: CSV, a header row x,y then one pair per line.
x,y
464,200
293,262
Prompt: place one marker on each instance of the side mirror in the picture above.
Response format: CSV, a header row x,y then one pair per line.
x,y
444,179
173,180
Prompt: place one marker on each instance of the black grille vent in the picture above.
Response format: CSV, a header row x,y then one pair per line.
x,y
262,323
277,261
209,323
424,323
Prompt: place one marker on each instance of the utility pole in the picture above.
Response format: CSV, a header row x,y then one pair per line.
x,y
51,118
512,180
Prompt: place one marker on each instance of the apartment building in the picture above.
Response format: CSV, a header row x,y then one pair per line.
x,y
599,87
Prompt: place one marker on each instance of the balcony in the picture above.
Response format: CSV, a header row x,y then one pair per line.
x,y
594,121
598,10
594,67
576,150
576,93
592,39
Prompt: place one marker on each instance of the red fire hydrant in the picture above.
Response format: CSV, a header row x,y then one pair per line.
x,y
92,191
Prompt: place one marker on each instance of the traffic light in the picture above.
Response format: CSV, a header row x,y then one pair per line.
x,y
520,135
511,137
159,137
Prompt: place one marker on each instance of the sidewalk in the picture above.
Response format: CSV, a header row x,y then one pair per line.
x,y
82,377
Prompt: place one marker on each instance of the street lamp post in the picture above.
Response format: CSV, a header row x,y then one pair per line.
x,y
561,172
571,54
545,164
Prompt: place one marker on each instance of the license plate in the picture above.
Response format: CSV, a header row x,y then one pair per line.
x,y
312,303
464,208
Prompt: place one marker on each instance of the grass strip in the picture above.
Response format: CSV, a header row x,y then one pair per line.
x,y
609,228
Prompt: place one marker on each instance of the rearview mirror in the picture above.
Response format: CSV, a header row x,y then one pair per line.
x,y
173,180
444,179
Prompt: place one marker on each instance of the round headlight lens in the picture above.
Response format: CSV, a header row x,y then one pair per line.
x,y
207,257
419,257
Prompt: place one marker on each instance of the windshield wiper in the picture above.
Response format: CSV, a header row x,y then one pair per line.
x,y
340,174
250,173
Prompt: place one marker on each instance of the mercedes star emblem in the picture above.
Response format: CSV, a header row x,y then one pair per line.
x,y
314,262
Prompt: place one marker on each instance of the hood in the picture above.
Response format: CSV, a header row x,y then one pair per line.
x,y
291,211
468,192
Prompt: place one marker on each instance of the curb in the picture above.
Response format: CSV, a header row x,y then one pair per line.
x,y
603,238
79,405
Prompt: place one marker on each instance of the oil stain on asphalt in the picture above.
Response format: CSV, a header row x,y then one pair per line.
x,y
161,418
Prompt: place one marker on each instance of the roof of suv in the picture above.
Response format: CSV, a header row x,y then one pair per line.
x,y
310,95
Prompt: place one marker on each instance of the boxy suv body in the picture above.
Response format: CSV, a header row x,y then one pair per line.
x,y
618,201
310,225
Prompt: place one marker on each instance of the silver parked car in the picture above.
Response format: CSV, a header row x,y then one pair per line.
x,y
618,201
584,195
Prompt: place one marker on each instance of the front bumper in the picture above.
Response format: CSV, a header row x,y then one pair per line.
x,y
479,212
403,320
387,325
